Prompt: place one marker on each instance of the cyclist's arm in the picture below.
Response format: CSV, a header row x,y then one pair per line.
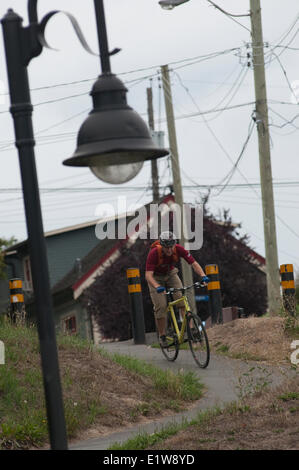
x,y
198,269
149,276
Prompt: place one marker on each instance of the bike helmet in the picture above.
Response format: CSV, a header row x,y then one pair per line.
x,y
167,239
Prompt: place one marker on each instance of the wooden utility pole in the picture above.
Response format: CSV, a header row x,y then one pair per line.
x,y
176,175
273,279
154,164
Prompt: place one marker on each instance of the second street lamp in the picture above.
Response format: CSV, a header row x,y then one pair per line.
x,y
127,142
171,4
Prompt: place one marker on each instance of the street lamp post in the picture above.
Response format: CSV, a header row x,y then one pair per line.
x,y
113,136
21,110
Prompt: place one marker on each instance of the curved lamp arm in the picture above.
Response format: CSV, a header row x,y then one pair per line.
x,y
225,12
75,24
37,33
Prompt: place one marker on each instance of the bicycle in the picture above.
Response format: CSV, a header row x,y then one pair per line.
x,y
196,333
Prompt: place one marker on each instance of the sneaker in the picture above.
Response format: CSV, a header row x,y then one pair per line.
x,y
163,342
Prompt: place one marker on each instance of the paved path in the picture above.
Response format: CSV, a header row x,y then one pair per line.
x,y
221,379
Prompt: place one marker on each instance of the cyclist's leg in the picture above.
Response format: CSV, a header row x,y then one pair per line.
x,y
160,306
161,325
174,281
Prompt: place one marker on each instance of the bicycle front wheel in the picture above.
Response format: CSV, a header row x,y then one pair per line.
x,y
198,340
172,351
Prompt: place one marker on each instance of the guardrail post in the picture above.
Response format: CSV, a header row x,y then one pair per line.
x,y
214,290
17,306
137,313
288,288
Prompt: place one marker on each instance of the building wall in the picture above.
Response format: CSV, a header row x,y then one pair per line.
x,y
63,250
65,312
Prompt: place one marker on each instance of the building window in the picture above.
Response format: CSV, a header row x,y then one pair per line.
x,y
69,325
27,285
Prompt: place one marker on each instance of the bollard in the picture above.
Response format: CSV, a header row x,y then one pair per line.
x,y
17,307
212,272
288,288
137,314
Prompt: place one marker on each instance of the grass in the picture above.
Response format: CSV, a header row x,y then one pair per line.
x,y
184,386
245,356
289,396
22,412
23,420
145,441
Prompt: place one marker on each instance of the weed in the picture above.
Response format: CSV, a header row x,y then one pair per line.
x,y
289,396
224,348
143,441
254,381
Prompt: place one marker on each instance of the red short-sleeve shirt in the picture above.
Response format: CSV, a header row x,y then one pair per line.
x,y
167,261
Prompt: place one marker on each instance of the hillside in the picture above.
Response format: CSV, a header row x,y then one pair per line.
x,y
103,394
257,338
99,394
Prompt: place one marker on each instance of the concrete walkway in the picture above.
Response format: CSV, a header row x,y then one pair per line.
x,y
221,379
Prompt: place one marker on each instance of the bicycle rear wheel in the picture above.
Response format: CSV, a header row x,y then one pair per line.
x,y
172,351
198,340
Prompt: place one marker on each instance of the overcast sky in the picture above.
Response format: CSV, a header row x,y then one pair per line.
x,y
207,54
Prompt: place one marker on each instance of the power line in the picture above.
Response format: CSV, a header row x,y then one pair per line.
x,y
230,16
286,77
138,188
213,133
230,174
194,60
282,38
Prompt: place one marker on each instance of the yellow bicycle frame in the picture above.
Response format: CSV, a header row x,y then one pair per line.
x,y
180,333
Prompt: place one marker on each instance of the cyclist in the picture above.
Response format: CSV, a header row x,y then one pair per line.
x,y
161,273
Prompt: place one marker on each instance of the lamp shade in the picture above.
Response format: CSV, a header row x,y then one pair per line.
x,y
113,133
170,4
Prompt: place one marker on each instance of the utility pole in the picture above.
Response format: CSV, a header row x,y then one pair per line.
x,y
176,175
273,278
154,164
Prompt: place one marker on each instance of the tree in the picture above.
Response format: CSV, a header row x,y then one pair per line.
x,y
4,243
243,284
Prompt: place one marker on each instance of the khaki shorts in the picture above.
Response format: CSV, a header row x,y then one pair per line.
x,y
160,300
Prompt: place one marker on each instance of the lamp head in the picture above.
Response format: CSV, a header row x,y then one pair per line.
x,y
113,141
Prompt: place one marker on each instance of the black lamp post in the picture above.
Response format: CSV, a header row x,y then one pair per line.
x,y
124,140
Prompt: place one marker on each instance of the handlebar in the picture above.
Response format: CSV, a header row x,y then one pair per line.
x,y
182,289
